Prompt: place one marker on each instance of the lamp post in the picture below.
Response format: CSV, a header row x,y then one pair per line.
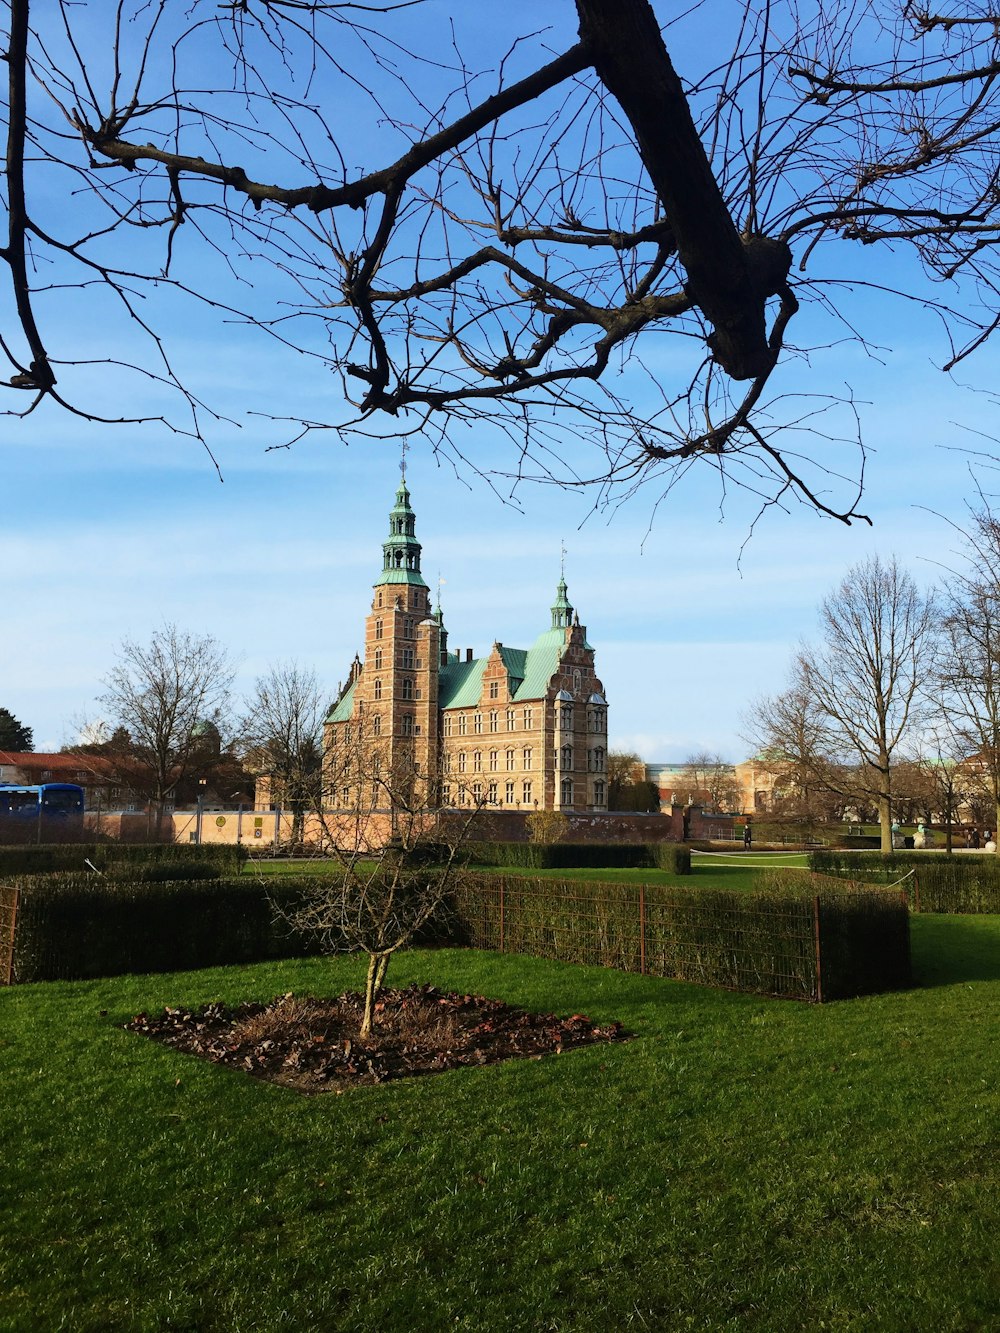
x,y
202,782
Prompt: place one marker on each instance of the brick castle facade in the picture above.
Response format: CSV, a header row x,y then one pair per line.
x,y
519,729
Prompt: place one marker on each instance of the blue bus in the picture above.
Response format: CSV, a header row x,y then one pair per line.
x,y
47,801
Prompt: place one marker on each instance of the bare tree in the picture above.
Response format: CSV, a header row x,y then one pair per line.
x,y
283,735
863,681
515,235
396,856
710,781
788,736
969,673
165,694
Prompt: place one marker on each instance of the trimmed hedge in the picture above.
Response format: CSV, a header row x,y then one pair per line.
x,y
672,856
75,926
764,942
114,857
939,882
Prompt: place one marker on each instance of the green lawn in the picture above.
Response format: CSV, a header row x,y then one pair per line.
x,y
743,1164
732,870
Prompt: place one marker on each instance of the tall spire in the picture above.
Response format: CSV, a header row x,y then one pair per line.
x,y
562,612
401,551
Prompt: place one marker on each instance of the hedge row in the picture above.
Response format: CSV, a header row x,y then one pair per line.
x,y
579,855
75,926
939,882
114,857
807,937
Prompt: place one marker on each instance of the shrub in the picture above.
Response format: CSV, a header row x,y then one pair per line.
x,y
579,855
932,881
801,937
114,856
74,926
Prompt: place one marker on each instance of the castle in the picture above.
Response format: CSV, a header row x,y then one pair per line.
x,y
520,729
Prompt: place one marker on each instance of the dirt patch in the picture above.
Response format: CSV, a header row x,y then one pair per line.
x,y
312,1044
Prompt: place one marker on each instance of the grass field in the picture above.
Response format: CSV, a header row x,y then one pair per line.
x,y
718,870
743,1164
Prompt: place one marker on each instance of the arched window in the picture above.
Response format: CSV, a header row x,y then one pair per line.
x,y
566,758
566,791
407,687
377,724
378,689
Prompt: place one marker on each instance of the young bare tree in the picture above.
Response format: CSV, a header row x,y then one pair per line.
x,y
458,239
863,680
396,855
165,695
282,733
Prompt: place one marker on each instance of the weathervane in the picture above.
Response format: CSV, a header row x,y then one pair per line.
x,y
562,558
402,462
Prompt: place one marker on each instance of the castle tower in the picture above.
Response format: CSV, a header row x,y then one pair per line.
x,y
393,700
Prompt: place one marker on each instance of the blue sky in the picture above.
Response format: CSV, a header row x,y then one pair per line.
x,y
107,532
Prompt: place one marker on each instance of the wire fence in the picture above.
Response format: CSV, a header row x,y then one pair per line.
x,y
803,945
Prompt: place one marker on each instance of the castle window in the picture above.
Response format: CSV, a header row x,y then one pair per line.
x,y
378,689
446,794
399,559
407,687
494,689
510,761
477,792
598,793
526,756
493,721
527,719
378,629
510,719
509,793
378,659
566,716
407,724
493,761
461,724
566,758
461,761
377,725
447,724
477,761
477,724
566,791
379,603
408,628
491,793
407,662
526,793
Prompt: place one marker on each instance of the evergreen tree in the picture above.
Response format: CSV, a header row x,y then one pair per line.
x,y
14,735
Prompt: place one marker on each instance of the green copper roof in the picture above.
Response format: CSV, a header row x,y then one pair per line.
x,y
460,684
342,709
401,551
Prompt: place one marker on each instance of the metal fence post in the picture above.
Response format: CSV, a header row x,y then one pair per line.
x,y
8,968
819,955
642,929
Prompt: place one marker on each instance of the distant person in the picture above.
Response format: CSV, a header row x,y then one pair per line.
x,y
974,837
747,834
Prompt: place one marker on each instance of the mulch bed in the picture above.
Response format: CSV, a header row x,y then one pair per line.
x,y
312,1044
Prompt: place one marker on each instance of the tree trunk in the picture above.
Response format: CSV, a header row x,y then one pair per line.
x,y
885,822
